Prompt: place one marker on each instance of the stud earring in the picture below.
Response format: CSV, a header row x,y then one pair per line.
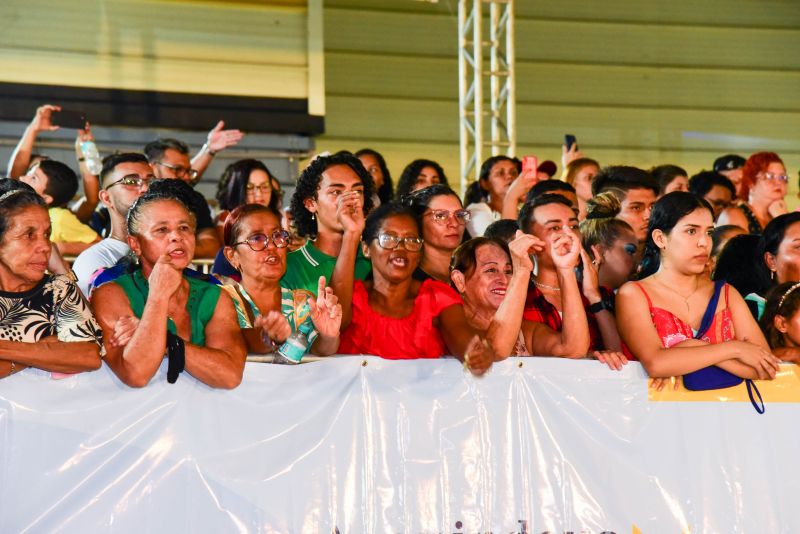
x,y
313,216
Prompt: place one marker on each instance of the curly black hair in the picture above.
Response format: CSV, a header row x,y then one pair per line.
x,y
410,173
308,186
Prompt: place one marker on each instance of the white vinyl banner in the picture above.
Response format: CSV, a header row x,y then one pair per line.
x,y
357,444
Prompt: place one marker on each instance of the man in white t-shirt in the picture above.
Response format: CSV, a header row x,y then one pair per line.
x,y
123,179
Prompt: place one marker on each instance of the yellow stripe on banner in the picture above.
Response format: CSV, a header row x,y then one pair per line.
x,y
785,388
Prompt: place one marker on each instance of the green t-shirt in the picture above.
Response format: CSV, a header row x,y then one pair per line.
x,y
305,265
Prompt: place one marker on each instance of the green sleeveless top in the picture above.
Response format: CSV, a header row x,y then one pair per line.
x,y
201,304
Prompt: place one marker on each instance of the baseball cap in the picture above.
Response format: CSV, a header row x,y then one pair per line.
x,y
728,163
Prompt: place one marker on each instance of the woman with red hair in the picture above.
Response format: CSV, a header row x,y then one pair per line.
x,y
764,186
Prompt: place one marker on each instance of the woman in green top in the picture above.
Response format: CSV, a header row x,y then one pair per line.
x,y
191,317
255,244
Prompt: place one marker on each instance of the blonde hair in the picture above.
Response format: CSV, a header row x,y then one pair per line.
x,y
574,167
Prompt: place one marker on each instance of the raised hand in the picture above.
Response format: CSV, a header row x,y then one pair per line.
x,y
166,278
591,278
521,185
350,211
478,356
521,249
568,156
219,139
43,120
273,326
565,249
326,312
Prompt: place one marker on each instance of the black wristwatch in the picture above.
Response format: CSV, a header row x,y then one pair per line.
x,y
598,306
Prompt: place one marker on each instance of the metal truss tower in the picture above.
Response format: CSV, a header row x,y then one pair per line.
x,y
485,131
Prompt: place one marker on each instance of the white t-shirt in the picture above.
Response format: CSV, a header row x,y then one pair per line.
x,y
106,253
481,216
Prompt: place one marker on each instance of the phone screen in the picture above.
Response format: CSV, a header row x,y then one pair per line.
x,y
68,118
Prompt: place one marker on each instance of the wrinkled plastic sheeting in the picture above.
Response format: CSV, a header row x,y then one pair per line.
x,y
368,445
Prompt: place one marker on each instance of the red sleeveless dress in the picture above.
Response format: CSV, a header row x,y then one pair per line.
x,y
410,337
673,330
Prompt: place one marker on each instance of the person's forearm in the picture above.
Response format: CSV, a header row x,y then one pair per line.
x,y
506,324
91,194
55,356
325,346
607,324
343,276
144,352
690,356
575,339
218,368
21,156
201,161
510,205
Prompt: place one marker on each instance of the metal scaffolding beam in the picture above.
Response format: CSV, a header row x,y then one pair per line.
x,y
486,126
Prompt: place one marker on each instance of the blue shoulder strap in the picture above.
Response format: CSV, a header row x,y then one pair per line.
x,y
708,316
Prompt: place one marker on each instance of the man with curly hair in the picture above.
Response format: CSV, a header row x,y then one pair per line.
x,y
331,200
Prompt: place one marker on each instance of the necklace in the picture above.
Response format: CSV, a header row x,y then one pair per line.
x,y
685,299
545,286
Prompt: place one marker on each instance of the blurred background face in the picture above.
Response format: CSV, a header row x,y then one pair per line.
x,y
583,181
501,176
268,264
486,285
259,188
771,184
679,183
173,164
719,197
786,263
427,177
619,260
373,168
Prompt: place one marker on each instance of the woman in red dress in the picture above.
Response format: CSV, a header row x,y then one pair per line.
x,y
397,317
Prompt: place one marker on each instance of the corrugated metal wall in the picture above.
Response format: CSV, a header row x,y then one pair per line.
x,y
637,81
213,47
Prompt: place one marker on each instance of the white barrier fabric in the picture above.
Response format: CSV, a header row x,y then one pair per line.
x,y
368,445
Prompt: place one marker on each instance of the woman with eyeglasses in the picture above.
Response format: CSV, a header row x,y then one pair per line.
x,y
443,220
247,181
394,316
256,246
763,189
190,320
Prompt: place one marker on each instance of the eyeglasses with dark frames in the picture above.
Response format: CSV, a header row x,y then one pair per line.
x,y
259,242
391,242
180,172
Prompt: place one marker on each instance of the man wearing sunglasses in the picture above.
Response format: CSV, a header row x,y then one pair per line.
x,y
169,159
124,178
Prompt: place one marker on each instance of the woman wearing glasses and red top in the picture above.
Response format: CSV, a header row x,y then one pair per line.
x,y
764,186
443,220
394,316
255,244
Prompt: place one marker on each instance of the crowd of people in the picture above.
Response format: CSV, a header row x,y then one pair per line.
x,y
613,263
